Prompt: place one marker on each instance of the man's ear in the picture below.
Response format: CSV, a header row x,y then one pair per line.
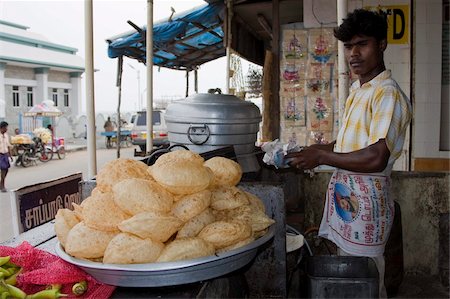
x,y
383,44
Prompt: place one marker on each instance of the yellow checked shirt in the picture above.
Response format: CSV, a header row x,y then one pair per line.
x,y
376,110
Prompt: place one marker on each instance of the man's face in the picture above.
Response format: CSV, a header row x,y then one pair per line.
x,y
3,130
365,56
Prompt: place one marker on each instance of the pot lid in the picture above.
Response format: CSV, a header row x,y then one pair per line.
x,y
213,108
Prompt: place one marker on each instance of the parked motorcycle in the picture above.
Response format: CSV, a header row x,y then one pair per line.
x,y
32,152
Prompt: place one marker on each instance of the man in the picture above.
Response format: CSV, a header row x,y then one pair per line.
x,y
108,128
5,154
377,114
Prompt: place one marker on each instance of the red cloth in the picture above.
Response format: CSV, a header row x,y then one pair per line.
x,y
41,268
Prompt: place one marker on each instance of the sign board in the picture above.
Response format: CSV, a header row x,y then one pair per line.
x,y
37,204
398,22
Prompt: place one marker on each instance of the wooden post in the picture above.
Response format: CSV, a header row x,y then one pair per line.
x,y
187,83
267,97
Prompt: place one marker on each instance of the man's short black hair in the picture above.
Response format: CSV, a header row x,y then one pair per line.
x,y
3,124
362,22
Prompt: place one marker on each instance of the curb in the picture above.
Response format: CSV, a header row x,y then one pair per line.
x,y
76,149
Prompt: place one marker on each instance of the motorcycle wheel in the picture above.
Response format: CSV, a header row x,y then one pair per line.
x,y
25,160
46,154
61,152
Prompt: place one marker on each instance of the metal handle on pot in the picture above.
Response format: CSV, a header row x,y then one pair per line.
x,y
198,130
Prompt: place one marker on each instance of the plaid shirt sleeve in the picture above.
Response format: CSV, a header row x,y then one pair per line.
x,y
390,117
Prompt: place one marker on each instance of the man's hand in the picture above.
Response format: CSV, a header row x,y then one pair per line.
x,y
11,158
307,158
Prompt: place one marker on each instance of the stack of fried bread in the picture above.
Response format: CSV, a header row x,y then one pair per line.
x,y
182,207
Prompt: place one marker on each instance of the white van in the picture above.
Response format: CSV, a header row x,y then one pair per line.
x,y
138,123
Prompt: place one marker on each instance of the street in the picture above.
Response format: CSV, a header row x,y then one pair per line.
x,y
74,162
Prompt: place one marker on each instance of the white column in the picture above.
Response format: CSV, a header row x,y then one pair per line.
x,y
75,93
149,55
42,84
2,90
90,102
343,87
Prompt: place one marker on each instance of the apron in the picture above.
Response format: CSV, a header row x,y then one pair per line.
x,y
358,212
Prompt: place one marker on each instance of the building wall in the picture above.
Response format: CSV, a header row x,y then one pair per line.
x,y
26,77
426,152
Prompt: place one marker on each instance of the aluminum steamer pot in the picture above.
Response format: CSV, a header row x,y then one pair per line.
x,y
206,122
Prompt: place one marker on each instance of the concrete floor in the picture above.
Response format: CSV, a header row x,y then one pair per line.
x,y
422,286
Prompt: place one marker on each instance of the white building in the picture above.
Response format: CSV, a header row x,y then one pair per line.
x,y
32,69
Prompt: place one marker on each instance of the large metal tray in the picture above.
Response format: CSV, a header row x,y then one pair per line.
x,y
169,273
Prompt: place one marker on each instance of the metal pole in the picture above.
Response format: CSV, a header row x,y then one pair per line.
x,y
119,101
343,90
196,80
90,103
149,61
228,44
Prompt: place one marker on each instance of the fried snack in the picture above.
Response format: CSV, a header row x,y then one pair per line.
x,y
78,210
225,233
191,205
65,219
255,202
236,245
186,248
85,242
129,249
196,224
100,212
96,191
182,177
177,156
260,233
248,214
228,197
155,225
117,170
226,171
135,196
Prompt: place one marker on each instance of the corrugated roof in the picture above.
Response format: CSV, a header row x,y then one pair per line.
x,y
186,41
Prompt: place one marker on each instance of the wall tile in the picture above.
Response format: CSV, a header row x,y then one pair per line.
x,y
444,154
421,12
421,53
422,73
421,92
434,13
419,149
435,73
420,114
433,33
434,94
421,34
435,53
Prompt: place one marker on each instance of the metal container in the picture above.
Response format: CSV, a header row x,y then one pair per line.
x,y
342,277
206,122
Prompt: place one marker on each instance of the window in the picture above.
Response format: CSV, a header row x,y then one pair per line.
x,y
66,98
15,94
55,96
30,96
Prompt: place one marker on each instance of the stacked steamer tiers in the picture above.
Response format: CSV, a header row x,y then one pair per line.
x,y
179,208
207,122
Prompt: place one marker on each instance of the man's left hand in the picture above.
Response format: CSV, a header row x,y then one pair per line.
x,y
11,158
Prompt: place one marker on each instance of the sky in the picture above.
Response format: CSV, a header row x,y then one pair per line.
x,y
62,22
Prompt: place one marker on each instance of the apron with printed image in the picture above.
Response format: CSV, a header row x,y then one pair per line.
x,y
358,212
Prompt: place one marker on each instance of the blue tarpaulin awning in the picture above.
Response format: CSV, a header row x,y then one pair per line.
x,y
186,41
